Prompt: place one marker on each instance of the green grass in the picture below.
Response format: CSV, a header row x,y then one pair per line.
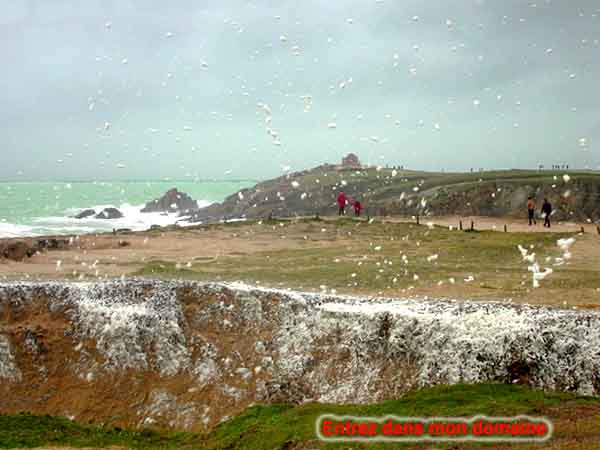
x,y
265,427
26,431
374,253
261,428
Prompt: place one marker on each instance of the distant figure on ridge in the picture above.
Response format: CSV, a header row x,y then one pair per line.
x,y
546,212
357,208
341,201
531,210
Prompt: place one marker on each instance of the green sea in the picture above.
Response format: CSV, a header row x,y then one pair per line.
x,y
40,208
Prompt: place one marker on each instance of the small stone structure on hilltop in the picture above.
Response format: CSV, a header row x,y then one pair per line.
x,y
351,160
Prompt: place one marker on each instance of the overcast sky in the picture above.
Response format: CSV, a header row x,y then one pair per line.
x,y
106,89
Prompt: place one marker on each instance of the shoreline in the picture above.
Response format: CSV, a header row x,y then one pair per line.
x,y
481,223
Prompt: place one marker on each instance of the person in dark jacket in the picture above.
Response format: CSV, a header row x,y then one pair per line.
x,y
546,212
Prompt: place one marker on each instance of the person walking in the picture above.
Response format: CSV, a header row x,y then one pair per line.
x,y
357,208
531,210
341,201
546,212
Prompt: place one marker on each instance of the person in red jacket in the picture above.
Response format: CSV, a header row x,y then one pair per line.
x,y
357,208
341,201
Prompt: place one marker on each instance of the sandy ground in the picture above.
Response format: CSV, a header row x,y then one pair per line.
x,y
102,256
103,253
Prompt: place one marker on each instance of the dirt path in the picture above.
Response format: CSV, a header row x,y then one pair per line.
x,y
497,224
109,256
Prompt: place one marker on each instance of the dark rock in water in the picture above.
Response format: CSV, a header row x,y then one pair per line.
x,y
85,213
109,213
17,251
172,201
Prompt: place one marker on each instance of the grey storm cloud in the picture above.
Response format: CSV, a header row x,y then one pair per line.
x,y
145,89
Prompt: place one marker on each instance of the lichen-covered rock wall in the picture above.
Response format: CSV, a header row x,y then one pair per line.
x,y
187,355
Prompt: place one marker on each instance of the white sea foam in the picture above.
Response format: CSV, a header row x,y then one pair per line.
x,y
132,218
14,230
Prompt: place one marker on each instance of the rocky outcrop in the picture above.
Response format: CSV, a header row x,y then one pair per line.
x,y
109,213
573,201
172,201
17,251
85,214
407,193
185,355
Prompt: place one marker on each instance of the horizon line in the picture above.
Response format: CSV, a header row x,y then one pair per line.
x,y
125,180
256,180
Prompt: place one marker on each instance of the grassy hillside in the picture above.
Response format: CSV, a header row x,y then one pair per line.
x,y
287,426
388,191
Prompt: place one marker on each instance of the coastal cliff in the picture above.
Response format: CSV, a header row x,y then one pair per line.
x,y
187,355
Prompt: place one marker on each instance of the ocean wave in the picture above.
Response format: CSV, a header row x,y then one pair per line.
x,y
132,219
14,230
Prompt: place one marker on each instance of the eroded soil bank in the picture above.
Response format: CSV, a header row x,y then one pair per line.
x,y
186,355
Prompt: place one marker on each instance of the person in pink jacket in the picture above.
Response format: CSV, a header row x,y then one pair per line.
x,y
341,201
